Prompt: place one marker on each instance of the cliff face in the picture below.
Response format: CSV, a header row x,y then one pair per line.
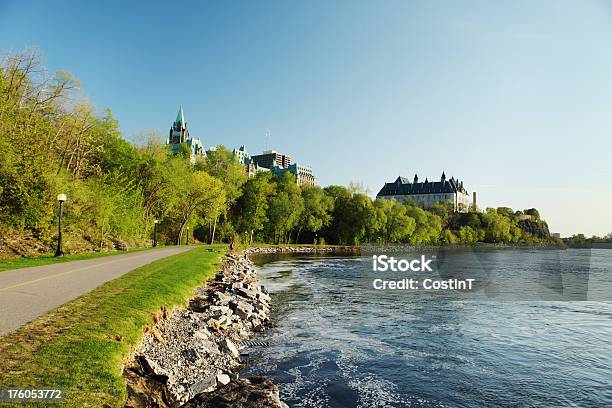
x,y
536,228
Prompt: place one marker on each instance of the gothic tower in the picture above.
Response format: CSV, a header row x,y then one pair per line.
x,y
178,131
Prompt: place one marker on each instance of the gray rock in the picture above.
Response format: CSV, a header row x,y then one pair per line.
x,y
243,309
190,355
248,293
223,379
220,310
224,320
151,366
230,347
220,315
202,334
208,384
222,298
257,326
264,296
214,324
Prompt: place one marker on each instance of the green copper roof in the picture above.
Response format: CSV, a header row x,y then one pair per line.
x,y
180,118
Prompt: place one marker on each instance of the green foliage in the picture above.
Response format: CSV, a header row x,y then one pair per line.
x,y
445,211
285,207
221,164
249,213
200,195
27,199
318,207
353,216
428,225
468,235
498,227
116,189
449,238
393,222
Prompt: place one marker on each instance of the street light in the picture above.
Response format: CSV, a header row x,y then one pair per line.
x,y
155,233
61,198
187,243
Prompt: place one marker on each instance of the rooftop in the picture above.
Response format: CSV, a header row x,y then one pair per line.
x,y
403,186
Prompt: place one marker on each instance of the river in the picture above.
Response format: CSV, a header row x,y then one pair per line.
x,y
536,330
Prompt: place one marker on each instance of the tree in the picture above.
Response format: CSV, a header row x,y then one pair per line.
x,y
285,207
249,213
505,211
428,225
497,227
216,206
352,217
449,238
222,164
317,210
395,225
199,195
444,210
468,235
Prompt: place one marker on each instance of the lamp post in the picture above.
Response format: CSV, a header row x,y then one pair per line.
x,y
61,198
155,233
187,243
316,239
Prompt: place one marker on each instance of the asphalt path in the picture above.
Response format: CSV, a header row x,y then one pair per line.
x,y
27,293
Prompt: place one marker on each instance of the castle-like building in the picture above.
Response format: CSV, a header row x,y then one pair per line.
x,y
180,134
426,193
268,161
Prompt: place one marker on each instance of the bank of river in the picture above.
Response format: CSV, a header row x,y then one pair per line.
x,y
534,332
193,356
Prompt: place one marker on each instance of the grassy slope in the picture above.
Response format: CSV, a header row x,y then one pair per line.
x,y
80,346
21,262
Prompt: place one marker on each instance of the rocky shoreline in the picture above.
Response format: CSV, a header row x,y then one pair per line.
x,y
303,250
192,357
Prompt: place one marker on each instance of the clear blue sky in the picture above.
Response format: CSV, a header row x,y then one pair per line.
x,y
514,98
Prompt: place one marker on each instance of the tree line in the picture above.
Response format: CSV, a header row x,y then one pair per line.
x,y
54,141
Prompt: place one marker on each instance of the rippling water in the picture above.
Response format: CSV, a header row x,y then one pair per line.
x,y
338,343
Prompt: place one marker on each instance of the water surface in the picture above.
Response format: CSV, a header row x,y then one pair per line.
x,y
536,332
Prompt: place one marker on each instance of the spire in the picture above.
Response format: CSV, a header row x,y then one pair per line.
x,y
416,179
443,177
426,180
180,118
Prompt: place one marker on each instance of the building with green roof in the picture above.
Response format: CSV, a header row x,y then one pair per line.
x,y
179,135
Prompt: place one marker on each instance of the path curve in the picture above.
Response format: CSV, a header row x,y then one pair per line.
x,y
27,293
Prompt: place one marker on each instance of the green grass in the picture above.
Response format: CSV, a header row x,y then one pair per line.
x,y
22,262
81,346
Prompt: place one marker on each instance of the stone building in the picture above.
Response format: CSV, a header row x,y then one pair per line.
x,y
426,193
270,158
277,163
303,174
179,134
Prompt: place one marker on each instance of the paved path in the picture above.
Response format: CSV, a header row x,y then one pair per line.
x,y
30,292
